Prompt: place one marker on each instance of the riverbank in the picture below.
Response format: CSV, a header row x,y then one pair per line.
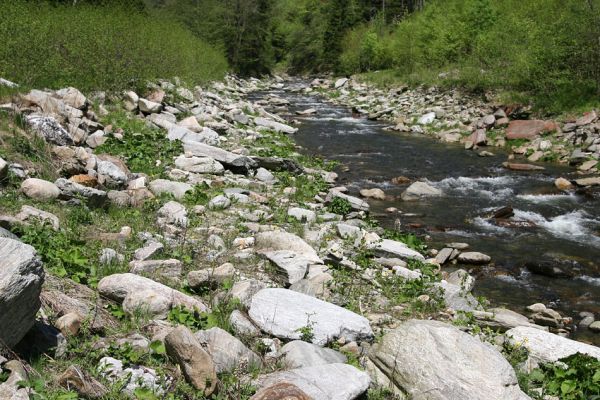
x,y
189,243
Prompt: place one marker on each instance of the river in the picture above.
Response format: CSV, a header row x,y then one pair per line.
x,y
549,224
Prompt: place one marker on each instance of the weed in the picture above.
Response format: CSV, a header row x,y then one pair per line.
x,y
340,206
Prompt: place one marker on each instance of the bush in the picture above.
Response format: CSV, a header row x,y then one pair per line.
x,y
98,47
550,52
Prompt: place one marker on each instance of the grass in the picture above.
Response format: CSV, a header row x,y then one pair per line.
x,y
98,47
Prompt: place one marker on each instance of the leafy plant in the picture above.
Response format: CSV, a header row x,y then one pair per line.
x,y
571,378
409,239
193,319
340,206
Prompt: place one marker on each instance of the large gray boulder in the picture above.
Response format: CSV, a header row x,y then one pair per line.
x,y
545,347
356,203
285,314
21,279
50,130
291,266
323,382
177,189
436,361
39,189
278,240
226,351
275,126
70,189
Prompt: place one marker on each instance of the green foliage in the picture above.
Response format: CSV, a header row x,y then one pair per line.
x,y
409,239
62,252
572,378
550,53
98,46
193,319
340,206
144,149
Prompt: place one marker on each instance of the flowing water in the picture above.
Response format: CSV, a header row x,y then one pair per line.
x,y
549,224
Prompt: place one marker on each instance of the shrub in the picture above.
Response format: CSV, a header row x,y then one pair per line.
x,y
98,47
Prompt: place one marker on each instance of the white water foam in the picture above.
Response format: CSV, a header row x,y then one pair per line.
x,y
589,279
547,198
486,225
490,187
575,225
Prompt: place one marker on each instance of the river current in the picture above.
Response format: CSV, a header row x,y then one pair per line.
x,y
548,226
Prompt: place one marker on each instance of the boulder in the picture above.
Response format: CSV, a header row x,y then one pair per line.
x,y
323,382
458,297
111,174
30,214
392,248
302,214
72,97
116,287
434,360
196,364
227,352
3,169
300,354
199,165
205,135
563,184
177,189
501,319
522,167
149,107
586,118
275,126
234,162
11,389
39,189
280,391
292,266
419,190
546,347
426,119
279,240
172,213
70,189
529,129
284,313
340,82
21,279
50,130
76,378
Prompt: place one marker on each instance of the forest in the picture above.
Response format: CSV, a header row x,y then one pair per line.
x,y
549,55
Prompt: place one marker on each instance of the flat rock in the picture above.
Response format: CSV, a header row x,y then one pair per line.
x,y
434,360
275,126
392,248
278,240
374,193
322,382
234,162
501,319
50,130
116,287
419,190
292,266
282,313
302,214
528,129
300,354
592,181
226,351
70,189
522,167
546,347
21,279
356,203
199,165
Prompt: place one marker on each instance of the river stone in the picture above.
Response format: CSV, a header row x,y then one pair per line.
x,y
30,214
21,279
419,190
196,364
546,347
528,129
457,297
302,214
69,189
436,361
39,189
280,391
501,319
279,240
323,382
177,189
340,82
392,248
234,162
473,257
300,354
374,193
356,203
426,119
199,165
50,130
444,255
117,286
282,313
275,126
149,107
291,265
226,351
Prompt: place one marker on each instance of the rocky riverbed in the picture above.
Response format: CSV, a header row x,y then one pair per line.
x,y
174,243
